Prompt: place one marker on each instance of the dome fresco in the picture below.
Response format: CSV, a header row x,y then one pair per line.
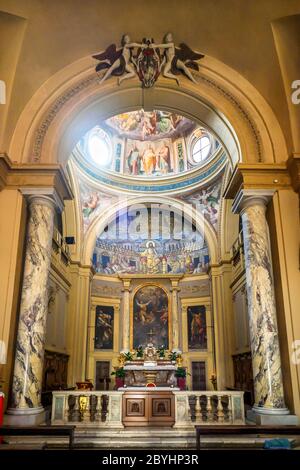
x,y
147,144
150,125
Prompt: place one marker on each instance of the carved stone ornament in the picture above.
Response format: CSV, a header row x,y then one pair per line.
x,y
147,60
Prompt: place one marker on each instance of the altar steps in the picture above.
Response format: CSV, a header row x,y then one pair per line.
x,y
137,438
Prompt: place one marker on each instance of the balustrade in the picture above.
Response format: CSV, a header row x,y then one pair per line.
x,y
87,408
216,407
104,409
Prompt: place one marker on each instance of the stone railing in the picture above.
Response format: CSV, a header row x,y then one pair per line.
x,y
104,409
215,407
81,407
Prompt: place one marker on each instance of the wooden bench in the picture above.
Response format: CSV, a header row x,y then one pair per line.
x,y
231,430
39,431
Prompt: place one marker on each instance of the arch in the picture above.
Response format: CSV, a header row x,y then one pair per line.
x,y
103,219
72,101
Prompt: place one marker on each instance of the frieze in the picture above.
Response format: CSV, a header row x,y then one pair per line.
x,y
104,290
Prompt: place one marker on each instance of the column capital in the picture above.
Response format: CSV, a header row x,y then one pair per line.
x,y
43,196
41,200
126,284
251,197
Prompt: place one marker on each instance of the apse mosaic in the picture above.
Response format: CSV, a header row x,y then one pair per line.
x,y
147,144
131,245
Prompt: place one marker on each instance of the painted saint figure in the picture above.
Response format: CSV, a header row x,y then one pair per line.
x,y
149,160
164,159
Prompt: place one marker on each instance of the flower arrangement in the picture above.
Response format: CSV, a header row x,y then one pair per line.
x,y
180,372
128,356
120,373
173,356
139,351
161,351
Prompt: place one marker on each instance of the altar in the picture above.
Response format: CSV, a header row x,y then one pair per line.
x,y
150,371
139,374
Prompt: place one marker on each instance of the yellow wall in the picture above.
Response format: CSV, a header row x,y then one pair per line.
x,y
284,227
12,225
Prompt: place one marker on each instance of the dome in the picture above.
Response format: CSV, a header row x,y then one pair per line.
x,y
146,145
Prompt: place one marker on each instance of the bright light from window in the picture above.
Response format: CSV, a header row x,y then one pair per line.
x,y
201,149
99,150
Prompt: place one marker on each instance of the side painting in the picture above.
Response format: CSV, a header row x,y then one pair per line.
x,y
150,317
104,327
197,331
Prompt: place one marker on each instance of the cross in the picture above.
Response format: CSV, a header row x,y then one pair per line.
x,y
150,334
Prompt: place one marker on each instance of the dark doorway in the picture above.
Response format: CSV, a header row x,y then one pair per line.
x,y
102,375
198,376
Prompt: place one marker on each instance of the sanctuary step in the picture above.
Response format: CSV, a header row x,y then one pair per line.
x,y
137,438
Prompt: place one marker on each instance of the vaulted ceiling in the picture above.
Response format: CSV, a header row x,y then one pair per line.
x,y
38,38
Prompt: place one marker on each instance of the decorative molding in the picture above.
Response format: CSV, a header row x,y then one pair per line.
x,y
185,182
54,110
241,110
92,79
35,179
257,176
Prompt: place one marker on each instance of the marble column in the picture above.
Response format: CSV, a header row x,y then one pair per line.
x,y
26,405
126,315
268,385
175,320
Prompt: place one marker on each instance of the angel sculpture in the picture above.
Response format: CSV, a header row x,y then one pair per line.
x,y
117,61
178,60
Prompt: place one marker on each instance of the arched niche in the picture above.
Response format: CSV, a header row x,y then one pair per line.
x,y
72,101
99,224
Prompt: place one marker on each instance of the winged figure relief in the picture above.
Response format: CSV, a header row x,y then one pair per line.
x,y
117,61
166,57
178,59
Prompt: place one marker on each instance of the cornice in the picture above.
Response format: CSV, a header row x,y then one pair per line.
x,y
4,168
181,183
293,165
34,176
258,176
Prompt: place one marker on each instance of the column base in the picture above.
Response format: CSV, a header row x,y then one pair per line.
x,y
24,417
272,416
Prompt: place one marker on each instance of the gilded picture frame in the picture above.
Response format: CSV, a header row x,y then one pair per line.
x,y
134,292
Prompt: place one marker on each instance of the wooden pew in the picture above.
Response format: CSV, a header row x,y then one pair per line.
x,y
39,431
244,430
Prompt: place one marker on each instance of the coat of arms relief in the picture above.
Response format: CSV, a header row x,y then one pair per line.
x,y
147,60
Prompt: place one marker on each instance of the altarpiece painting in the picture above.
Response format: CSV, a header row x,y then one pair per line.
x,y
197,331
104,327
150,322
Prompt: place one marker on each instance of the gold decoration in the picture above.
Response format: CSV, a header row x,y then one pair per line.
x,y
122,360
179,360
